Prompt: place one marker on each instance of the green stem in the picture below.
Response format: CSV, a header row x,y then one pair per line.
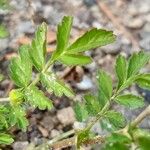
x,y
102,112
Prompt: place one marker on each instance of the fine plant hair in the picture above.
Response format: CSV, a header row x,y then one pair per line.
x,y
121,134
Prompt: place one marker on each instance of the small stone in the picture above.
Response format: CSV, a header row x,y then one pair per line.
x,y
135,23
43,131
66,116
145,43
47,123
20,145
85,84
54,133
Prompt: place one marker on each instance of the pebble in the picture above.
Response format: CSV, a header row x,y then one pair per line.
x,y
134,23
145,43
54,133
85,84
20,145
66,116
47,123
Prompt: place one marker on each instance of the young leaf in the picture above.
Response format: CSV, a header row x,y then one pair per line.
x,y
52,83
38,47
21,67
80,112
75,59
115,118
92,104
130,101
91,39
136,62
121,70
6,139
105,87
143,81
17,116
3,32
37,98
63,34
16,97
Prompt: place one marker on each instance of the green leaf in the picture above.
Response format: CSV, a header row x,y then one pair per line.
x,y
63,34
21,67
38,47
115,118
105,87
121,70
52,83
130,101
3,121
75,59
91,39
115,146
143,81
136,62
6,139
80,112
17,116
116,137
144,143
3,32
37,98
92,104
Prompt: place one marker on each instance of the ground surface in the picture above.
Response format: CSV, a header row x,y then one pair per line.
x,y
130,21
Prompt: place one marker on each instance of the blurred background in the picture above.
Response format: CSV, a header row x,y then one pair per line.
x,y
130,21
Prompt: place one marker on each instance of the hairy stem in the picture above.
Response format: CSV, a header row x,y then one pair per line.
x,y
141,116
62,136
71,141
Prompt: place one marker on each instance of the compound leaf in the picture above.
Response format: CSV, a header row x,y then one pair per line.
x,y
91,39
21,67
105,87
75,59
37,98
130,101
38,47
52,83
